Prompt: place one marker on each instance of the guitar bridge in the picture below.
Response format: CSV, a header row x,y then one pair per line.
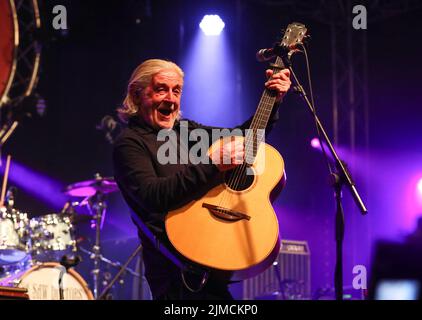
x,y
224,213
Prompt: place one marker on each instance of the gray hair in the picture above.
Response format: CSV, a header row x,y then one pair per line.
x,y
140,79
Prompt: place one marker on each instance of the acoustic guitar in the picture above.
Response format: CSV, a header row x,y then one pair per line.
x,y
234,227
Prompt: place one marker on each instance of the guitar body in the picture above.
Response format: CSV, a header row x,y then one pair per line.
x,y
243,246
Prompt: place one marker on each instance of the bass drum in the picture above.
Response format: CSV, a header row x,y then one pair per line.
x,y
42,283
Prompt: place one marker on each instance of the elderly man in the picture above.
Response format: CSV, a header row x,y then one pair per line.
x,y
152,188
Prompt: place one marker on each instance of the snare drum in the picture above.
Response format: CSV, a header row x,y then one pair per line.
x,y
42,283
15,242
52,237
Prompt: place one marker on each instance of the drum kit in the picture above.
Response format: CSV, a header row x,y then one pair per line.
x,y
38,253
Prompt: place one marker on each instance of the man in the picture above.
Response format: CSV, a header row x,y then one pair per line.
x,y
151,188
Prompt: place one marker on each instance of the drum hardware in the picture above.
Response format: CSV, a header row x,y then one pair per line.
x,y
38,245
89,188
95,191
74,217
123,268
107,275
99,207
114,264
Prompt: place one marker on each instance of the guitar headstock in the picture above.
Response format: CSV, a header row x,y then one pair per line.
x,y
293,37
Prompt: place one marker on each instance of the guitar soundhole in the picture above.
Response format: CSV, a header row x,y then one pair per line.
x,y
238,180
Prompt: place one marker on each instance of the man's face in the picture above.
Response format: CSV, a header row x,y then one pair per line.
x,y
160,100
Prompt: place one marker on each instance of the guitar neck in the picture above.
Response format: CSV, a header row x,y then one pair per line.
x,y
266,104
262,115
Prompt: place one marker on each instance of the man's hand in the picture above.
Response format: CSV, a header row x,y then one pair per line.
x,y
229,155
279,82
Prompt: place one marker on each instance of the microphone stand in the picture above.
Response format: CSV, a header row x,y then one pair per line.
x,y
338,179
63,270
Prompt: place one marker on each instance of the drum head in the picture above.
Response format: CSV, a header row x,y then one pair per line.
x,y
42,283
12,256
14,239
52,237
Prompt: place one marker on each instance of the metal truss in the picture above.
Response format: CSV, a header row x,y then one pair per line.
x,y
28,52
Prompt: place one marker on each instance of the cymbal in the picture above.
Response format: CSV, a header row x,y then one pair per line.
x,y
89,188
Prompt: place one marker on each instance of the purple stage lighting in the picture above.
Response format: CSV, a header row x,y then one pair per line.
x,y
212,25
39,185
419,186
315,143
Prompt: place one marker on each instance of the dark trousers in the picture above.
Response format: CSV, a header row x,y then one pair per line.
x,y
212,290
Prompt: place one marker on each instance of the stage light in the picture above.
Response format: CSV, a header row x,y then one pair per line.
x,y
419,186
212,25
315,143
211,60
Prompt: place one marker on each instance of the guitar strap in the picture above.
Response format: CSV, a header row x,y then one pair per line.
x,y
180,263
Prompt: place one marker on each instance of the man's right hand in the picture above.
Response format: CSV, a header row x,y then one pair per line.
x,y
228,155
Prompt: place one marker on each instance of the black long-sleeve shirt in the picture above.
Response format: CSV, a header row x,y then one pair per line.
x,y
151,189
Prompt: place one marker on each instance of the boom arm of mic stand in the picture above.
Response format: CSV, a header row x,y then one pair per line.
x,y
340,166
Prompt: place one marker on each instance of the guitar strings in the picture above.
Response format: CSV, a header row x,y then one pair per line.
x,y
239,172
238,177
259,122
253,141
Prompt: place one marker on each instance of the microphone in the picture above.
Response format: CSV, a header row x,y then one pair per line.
x,y
108,125
265,54
278,50
69,261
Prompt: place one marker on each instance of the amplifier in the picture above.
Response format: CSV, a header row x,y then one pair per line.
x,y
289,278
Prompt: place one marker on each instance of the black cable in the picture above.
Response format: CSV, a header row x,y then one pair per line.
x,y
330,169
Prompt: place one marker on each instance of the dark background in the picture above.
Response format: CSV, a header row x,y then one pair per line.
x,y
84,74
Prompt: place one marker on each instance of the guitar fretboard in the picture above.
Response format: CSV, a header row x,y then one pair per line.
x,y
256,133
